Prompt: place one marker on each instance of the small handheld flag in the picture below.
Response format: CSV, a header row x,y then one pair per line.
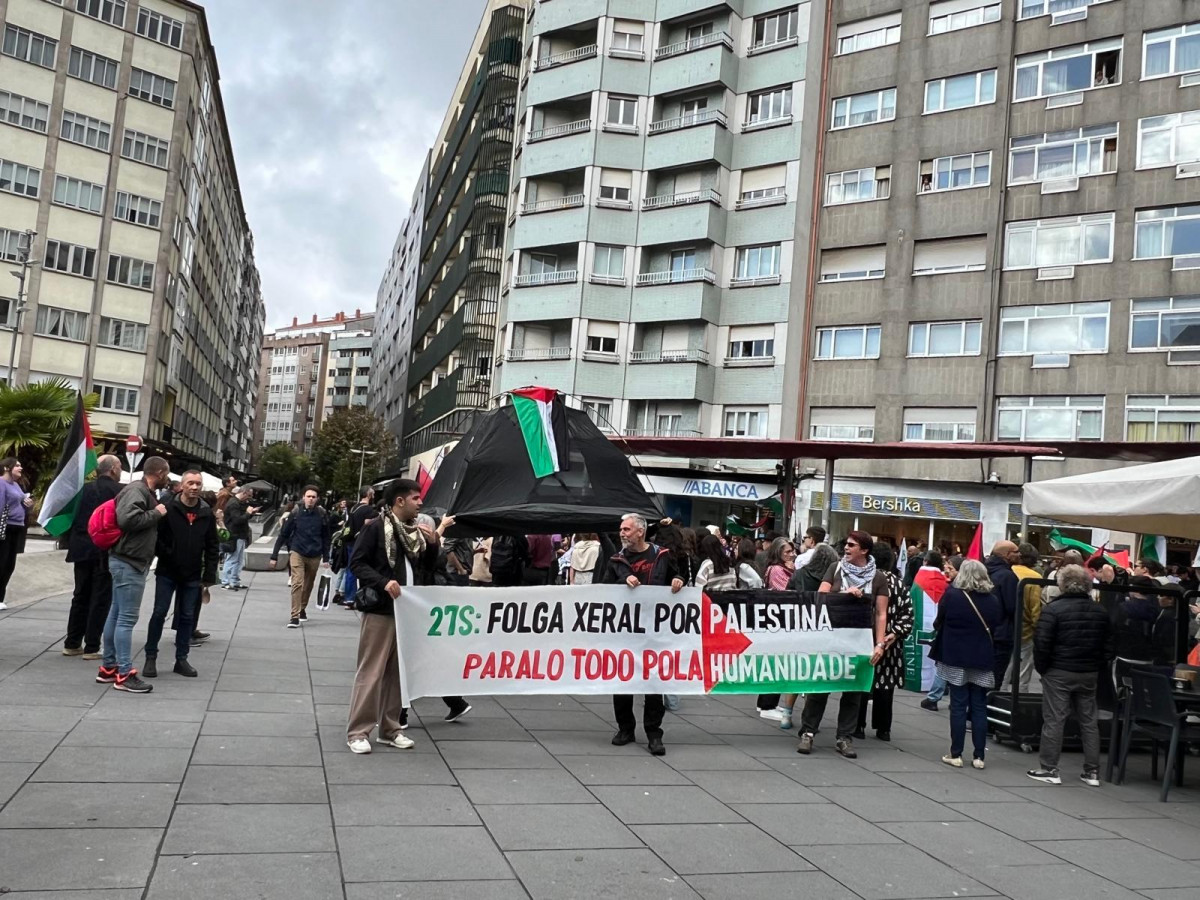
x,y
77,462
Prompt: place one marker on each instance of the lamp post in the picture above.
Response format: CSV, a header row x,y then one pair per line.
x,y
363,453
24,248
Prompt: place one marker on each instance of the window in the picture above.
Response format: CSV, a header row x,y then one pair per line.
x,y
1169,140
24,112
961,91
940,425
757,265
864,109
61,323
130,272
751,342
1162,418
1172,51
1169,231
94,68
868,34
1054,329
599,411
1165,323
954,15
944,338
622,113
1074,153
10,244
858,185
608,264
151,87
81,129
110,11
78,194
627,38
615,187
770,106
1050,418
8,315
848,342
157,27
944,256
602,337
1070,241
123,335
29,46
775,29
145,149
853,263
683,260
749,422
116,398
1028,9
763,186
137,210
841,424
952,173
1066,70
72,259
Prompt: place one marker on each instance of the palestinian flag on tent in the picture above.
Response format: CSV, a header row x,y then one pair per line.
x,y
543,421
1114,557
1154,546
77,462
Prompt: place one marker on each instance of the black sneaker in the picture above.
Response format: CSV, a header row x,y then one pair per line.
x,y
199,637
621,738
655,746
404,718
339,598
1048,776
303,616
458,711
928,704
859,734
106,675
132,683
184,668
150,669
293,623
1090,777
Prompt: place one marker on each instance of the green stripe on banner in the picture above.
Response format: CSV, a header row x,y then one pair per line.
x,y
796,673
533,429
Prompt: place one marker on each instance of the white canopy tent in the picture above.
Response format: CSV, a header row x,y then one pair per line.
x,y
208,482
1156,498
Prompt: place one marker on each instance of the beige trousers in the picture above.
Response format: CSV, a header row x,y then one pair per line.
x,y
375,697
304,576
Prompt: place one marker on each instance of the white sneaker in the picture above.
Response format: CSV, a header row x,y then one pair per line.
x,y
773,714
359,745
3,605
955,761
977,764
400,742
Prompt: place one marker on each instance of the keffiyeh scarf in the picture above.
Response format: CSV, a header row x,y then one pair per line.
x,y
858,576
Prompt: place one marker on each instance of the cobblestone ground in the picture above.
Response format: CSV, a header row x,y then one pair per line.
x,y
239,783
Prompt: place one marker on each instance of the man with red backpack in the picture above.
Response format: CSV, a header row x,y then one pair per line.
x,y
138,513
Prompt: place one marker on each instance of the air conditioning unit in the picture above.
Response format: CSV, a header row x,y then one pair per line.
x,y
1061,185
1055,273
1191,79
1187,170
1074,15
1191,261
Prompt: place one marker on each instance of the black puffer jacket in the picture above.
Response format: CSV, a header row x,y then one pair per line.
x,y
1006,582
1073,634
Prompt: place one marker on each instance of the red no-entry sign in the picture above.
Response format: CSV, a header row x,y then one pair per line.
x,y
133,444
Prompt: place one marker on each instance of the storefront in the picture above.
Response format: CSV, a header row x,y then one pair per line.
x,y
898,517
699,499
1039,532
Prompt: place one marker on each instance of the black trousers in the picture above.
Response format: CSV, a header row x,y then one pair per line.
x,y
814,711
1002,654
89,605
11,547
652,714
768,701
881,708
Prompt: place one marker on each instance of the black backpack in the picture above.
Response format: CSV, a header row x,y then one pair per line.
x,y
506,557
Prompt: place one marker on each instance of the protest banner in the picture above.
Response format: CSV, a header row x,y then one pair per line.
x,y
610,639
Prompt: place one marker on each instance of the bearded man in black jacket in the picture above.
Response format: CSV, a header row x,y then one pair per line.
x,y
93,584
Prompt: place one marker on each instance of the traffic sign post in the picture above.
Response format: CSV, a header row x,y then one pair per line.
x,y
133,451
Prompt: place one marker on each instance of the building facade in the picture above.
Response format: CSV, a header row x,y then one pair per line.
x,y
114,149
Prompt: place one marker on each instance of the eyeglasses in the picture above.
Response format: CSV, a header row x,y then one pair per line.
x,y
851,544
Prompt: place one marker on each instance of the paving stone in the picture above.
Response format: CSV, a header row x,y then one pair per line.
x,y
826,772
253,784
539,701
764,746
235,701
895,872
692,757
972,846
624,874
419,854
77,859
263,876
642,769
54,719
810,824
264,724
1082,802
582,743
27,746
250,828
384,766
437,890
264,684
78,693
754,787
809,885
1127,863
400,804
101,764
560,720
498,755
12,776
894,804
1030,821
128,894
952,786
123,707
733,725
1171,837
718,849
556,827
72,805
118,733
501,786
475,730
1057,882
664,804
244,750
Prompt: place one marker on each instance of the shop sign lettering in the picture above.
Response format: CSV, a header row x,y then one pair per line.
x,y
891,504
734,490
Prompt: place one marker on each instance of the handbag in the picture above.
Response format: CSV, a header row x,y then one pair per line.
x,y
4,522
369,599
982,622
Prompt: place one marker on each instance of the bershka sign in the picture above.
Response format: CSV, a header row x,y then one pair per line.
x,y
892,504
610,639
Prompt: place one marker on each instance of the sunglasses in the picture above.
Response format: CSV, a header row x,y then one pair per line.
x,y
851,544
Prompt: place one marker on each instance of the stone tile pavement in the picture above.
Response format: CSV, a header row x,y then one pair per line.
x,y
240,783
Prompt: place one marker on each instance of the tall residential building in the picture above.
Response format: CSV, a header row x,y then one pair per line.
x,y
1009,243
462,237
114,150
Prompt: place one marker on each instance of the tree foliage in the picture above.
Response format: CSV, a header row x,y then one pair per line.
x,y
283,466
34,420
349,429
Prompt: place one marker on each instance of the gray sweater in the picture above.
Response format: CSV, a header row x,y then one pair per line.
x,y
138,520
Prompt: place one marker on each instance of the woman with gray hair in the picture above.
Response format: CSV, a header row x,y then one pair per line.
x,y
967,617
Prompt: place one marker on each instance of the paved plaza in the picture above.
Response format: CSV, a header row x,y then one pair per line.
x,y
239,783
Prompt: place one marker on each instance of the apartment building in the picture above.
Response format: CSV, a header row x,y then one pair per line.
x,y
1008,245
114,150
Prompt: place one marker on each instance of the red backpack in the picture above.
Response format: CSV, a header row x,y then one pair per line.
x,y
102,526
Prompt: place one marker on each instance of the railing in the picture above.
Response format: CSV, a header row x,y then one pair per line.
x,y
696,43
661,432
753,280
534,279
570,201
704,195
555,131
676,276
561,59
697,118
531,353
668,356
762,197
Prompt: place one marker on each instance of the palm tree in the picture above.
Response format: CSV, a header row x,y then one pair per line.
x,y
34,419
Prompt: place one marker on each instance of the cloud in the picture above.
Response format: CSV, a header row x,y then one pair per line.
x,y
332,106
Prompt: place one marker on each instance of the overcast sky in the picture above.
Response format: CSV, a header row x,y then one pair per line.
x,y
332,105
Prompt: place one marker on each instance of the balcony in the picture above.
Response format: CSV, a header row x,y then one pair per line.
x,y
675,276
668,356
705,195
721,38
571,201
557,131
529,354
564,58
703,117
755,281
662,432
537,279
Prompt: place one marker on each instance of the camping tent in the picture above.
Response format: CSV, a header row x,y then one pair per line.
x,y
1157,498
487,481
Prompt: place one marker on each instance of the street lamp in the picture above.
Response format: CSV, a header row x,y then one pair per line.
x,y
363,453
24,248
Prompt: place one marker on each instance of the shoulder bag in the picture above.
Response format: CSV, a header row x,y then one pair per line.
x,y
982,621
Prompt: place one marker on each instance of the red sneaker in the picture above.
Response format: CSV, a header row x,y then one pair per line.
x,y
106,675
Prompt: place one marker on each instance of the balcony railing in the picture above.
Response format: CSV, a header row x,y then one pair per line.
x,y
557,131
696,43
753,280
662,432
562,59
525,354
668,356
676,276
703,117
535,279
704,195
762,197
570,201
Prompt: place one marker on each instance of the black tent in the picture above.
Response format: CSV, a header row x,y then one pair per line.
x,y
487,481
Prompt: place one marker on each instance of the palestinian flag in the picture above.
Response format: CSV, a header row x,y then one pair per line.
x,y
77,462
543,424
926,592
1114,557
1154,546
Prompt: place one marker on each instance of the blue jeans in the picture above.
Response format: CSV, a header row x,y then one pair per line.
x,y
964,699
231,572
350,583
128,584
938,690
187,595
